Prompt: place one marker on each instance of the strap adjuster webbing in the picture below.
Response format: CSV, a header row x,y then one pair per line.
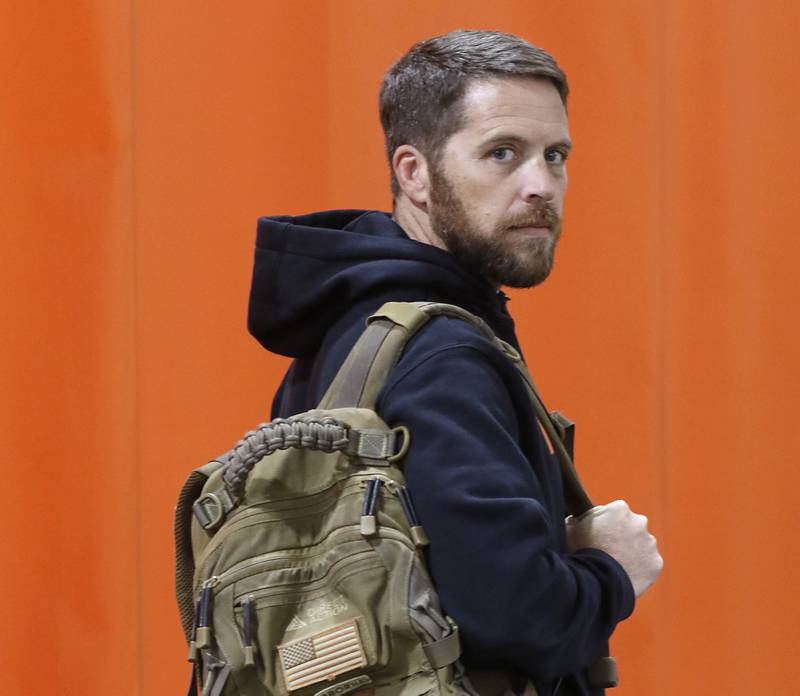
x,y
444,651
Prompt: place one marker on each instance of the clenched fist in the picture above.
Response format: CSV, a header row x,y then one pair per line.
x,y
622,534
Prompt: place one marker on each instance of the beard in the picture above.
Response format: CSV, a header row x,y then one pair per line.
x,y
503,256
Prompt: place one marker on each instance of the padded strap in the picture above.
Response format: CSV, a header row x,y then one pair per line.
x,y
366,368
347,388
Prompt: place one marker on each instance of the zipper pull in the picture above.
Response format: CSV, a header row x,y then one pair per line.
x,y
193,651
248,620
418,535
203,634
368,522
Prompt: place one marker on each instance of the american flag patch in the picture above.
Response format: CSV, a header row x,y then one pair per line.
x,y
322,656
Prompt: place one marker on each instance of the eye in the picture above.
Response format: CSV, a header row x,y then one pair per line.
x,y
556,156
502,154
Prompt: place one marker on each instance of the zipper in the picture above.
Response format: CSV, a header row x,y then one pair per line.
x,y
326,498
334,572
271,560
252,567
259,564
205,610
251,516
248,619
369,520
205,605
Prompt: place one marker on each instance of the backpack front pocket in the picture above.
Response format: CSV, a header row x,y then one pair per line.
x,y
321,616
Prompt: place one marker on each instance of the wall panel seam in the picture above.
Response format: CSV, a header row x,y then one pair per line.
x,y
134,292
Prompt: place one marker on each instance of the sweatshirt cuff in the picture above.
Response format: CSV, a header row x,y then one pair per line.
x,y
624,599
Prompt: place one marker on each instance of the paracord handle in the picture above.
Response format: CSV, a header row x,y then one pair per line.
x,y
326,434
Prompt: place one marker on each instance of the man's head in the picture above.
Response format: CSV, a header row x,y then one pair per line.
x,y
477,136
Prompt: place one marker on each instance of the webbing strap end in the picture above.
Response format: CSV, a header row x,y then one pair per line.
x,y
379,446
603,673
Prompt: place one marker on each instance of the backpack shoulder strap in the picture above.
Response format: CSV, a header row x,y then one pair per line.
x,y
366,368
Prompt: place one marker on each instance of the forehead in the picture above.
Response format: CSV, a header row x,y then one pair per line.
x,y
521,103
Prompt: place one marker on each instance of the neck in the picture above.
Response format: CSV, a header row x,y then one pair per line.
x,y
415,222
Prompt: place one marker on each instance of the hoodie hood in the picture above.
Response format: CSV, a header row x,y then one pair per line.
x,y
310,269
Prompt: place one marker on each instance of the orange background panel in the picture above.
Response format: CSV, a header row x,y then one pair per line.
x,y
139,141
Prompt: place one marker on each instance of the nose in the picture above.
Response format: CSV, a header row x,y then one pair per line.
x,y
537,181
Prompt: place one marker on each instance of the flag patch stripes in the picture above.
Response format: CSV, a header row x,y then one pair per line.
x,y
322,656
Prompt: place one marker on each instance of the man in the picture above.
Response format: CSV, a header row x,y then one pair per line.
x,y
477,139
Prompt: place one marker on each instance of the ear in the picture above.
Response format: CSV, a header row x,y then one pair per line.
x,y
411,169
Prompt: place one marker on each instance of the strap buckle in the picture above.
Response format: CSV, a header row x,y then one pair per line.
x,y
210,509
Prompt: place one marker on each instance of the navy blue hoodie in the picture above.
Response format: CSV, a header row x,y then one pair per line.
x,y
486,488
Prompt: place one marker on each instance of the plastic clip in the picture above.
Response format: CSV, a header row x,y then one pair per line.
x,y
418,535
248,620
193,650
369,524
203,633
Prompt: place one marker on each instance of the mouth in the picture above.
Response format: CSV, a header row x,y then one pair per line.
x,y
532,229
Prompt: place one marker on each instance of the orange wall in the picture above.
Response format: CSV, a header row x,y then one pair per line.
x,y
140,140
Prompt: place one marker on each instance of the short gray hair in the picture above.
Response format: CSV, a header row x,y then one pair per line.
x,y
421,94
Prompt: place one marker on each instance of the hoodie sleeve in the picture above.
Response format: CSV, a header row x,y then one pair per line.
x,y
496,554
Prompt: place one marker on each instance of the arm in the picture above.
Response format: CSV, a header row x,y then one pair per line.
x,y
493,511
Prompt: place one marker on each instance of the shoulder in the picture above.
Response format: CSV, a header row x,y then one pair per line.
x,y
449,350
451,368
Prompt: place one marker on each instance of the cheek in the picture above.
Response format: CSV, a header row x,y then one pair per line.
x,y
483,208
560,189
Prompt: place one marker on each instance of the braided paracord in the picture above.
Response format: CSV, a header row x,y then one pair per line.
x,y
325,434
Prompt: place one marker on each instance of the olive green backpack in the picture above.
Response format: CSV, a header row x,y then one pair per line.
x,y
299,564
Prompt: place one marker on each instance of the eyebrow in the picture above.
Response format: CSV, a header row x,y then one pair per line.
x,y
517,140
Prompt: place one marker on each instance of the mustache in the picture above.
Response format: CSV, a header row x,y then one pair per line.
x,y
543,216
